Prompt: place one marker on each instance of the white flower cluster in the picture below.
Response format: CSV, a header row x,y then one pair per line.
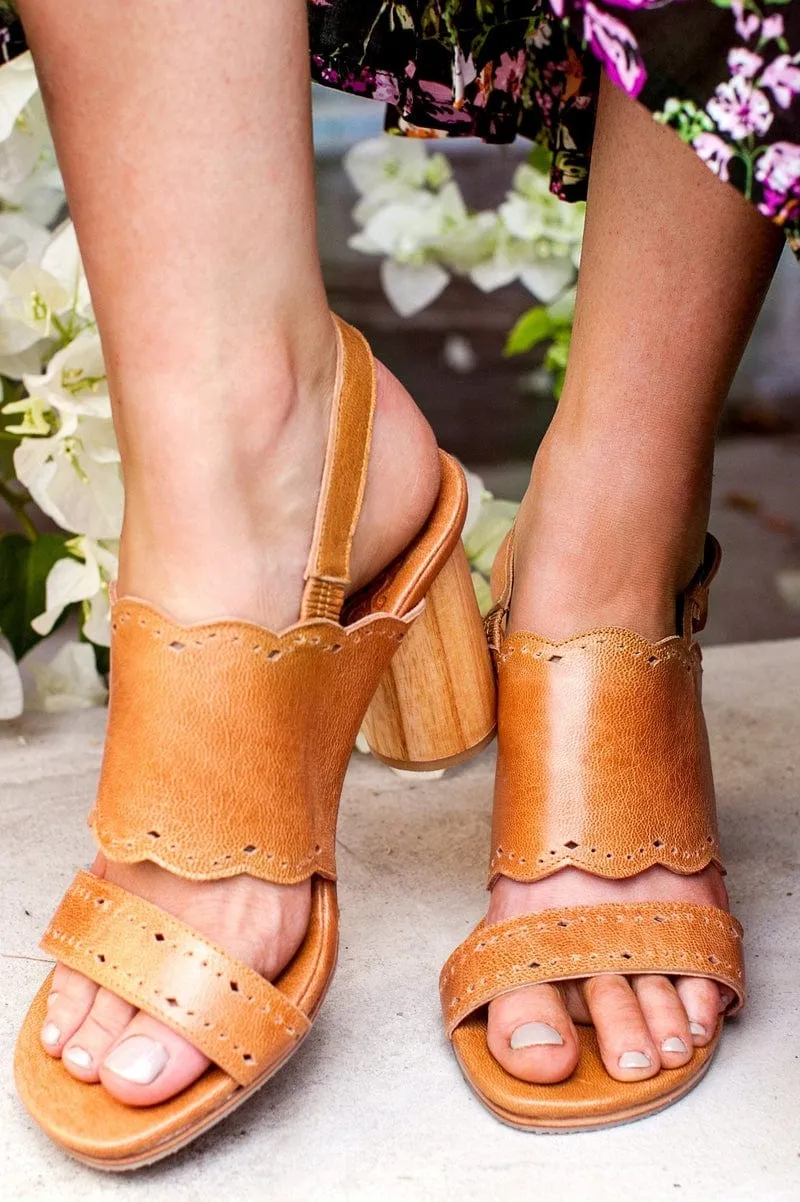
x,y
50,354
412,213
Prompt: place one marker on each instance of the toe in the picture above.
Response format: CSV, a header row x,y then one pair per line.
x,y
626,1044
702,1002
531,1035
666,1019
84,1052
150,1063
69,1003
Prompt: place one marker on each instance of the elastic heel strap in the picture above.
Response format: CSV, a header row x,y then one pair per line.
x,y
343,479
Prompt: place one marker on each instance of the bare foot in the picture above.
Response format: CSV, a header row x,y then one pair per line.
x,y
219,525
572,576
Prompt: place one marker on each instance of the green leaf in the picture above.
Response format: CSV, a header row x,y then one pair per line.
x,y
532,328
540,158
24,567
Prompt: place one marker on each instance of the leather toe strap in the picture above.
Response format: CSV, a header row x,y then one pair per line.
x,y
234,1016
669,938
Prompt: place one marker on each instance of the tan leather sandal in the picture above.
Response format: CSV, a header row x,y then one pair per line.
x,y
603,764
226,753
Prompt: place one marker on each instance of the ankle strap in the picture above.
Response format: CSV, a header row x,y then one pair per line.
x,y
343,479
692,602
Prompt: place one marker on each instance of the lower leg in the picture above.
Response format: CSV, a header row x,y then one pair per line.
x,y
674,269
191,187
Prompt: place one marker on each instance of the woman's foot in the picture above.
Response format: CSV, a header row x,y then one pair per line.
x,y
218,524
585,559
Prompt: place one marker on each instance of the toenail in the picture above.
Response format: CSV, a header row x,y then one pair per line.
x,y
50,1034
674,1044
697,1029
51,998
79,1057
534,1035
137,1059
634,1060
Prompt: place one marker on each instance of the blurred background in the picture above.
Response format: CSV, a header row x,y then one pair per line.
x,y
490,410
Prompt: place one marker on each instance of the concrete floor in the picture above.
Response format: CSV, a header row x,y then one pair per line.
x,y
373,1106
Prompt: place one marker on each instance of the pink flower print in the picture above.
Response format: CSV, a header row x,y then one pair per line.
x,y
746,23
557,7
778,169
744,62
616,47
386,89
772,28
715,153
510,72
782,77
542,35
740,109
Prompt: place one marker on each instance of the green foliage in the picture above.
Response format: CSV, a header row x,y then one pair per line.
x,y
24,565
551,324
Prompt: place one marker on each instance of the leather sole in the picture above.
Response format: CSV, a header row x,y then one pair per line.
x,y
589,1100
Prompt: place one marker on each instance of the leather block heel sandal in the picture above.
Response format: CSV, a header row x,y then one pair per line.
x,y
603,764
207,772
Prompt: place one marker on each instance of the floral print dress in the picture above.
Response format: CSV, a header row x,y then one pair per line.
x,y
724,74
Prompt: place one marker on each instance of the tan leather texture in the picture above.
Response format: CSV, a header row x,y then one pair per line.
x,y
95,1127
248,735
160,965
669,938
344,476
603,757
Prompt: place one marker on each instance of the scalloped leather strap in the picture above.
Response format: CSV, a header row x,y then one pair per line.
x,y
603,758
344,477
234,1016
247,736
670,938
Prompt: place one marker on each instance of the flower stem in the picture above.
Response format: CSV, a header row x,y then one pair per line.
x,y
17,502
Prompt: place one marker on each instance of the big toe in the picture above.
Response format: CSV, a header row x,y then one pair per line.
x,y
149,1063
532,1036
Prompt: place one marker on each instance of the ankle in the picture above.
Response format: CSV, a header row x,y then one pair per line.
x,y
598,544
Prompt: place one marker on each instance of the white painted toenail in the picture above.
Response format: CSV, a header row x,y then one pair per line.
x,y
634,1060
698,1029
50,1034
51,998
673,1044
79,1057
534,1035
137,1059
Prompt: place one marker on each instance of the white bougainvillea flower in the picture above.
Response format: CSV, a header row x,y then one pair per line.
x,y
74,383
81,578
411,287
62,260
71,483
70,681
18,85
402,163
29,175
477,493
495,519
10,684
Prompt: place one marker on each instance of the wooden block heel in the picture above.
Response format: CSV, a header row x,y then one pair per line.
x,y
435,704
